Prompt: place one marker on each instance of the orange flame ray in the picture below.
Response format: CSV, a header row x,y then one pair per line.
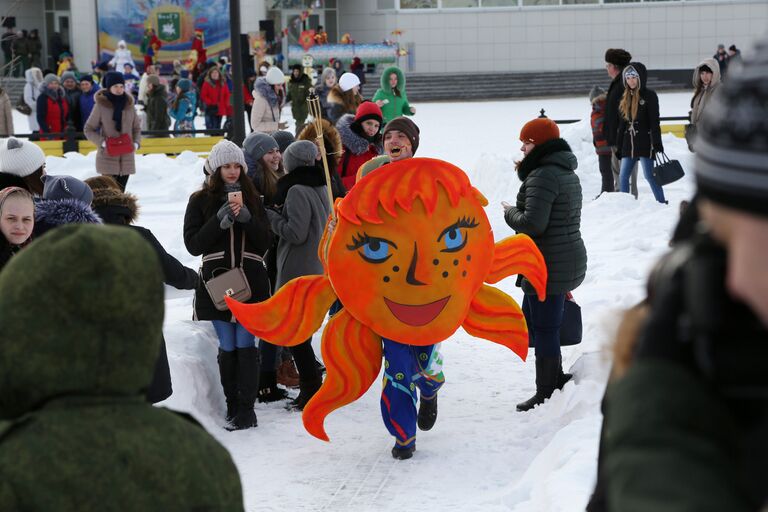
x,y
495,316
352,355
290,316
519,255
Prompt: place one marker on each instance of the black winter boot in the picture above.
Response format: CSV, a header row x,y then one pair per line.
x,y
562,378
310,379
547,373
228,373
427,412
401,453
307,390
268,390
247,385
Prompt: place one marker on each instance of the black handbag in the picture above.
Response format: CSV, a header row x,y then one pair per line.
x,y
22,106
571,328
666,171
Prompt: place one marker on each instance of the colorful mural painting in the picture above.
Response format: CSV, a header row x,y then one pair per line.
x,y
368,53
174,22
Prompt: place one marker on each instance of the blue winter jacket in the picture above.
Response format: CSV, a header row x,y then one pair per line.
x,y
185,109
86,105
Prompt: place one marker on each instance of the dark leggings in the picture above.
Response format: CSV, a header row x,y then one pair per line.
x,y
544,320
606,173
122,180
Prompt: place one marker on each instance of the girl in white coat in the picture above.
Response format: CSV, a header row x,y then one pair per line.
x,y
122,57
34,78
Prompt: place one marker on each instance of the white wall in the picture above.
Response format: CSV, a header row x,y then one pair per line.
x,y
663,35
85,32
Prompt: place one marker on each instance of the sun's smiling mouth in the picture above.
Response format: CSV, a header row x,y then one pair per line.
x,y
416,315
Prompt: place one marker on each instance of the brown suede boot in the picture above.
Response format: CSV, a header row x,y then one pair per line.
x,y
287,375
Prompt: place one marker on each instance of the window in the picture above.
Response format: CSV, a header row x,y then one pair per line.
x,y
499,3
541,2
385,4
460,3
418,4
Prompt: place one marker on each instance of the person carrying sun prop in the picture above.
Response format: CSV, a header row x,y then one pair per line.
x,y
409,257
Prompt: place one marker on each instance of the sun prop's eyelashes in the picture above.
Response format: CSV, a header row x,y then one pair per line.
x,y
361,239
463,222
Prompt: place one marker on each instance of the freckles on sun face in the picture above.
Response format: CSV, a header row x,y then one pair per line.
x,y
413,277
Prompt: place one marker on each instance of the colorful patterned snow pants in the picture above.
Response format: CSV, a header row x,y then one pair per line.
x,y
407,367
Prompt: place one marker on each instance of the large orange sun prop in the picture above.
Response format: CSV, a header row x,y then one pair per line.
x,y
409,257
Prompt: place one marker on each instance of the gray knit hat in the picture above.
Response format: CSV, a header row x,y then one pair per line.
x,y
301,153
258,144
595,93
283,139
68,74
66,187
50,78
732,143
225,152
20,158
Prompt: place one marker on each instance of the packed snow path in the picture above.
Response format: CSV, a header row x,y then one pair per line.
x,y
481,454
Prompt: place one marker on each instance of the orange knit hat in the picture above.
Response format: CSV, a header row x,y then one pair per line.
x,y
539,131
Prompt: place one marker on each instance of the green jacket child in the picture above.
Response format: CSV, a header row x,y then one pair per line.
x,y
82,316
391,97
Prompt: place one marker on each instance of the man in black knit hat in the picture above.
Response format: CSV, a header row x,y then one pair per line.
x,y
689,410
616,60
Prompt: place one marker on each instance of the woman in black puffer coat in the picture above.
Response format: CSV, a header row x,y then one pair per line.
x,y
229,235
639,135
548,210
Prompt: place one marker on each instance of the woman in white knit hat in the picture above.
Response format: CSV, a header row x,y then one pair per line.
x,y
344,97
225,223
22,164
268,99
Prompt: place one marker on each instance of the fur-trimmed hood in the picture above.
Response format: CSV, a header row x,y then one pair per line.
x,y
101,99
50,213
310,176
711,64
553,152
352,141
400,79
331,138
115,206
348,100
263,89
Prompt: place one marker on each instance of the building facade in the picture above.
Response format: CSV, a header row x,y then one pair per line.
x,y
462,36
455,36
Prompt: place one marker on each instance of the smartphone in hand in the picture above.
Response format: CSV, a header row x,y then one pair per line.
x,y
506,205
235,197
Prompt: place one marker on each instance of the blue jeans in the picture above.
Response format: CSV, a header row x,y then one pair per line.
x,y
544,320
233,335
212,122
626,168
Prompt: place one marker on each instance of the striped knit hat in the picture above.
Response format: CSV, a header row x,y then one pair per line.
x,y
732,143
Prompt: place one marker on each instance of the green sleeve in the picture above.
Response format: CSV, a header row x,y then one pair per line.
x,y
670,444
532,218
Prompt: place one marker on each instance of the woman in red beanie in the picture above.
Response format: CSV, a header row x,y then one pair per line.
x,y
361,140
548,209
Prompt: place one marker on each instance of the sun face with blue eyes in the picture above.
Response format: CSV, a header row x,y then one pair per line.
x,y
415,274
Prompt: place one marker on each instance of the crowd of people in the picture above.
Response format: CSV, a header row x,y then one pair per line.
x,y
625,119
258,219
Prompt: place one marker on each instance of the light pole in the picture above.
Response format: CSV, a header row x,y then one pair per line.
x,y
238,123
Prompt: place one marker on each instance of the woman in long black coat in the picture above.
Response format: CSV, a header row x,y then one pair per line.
x,y
228,235
119,208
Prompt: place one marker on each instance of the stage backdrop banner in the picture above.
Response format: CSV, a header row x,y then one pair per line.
x,y
174,21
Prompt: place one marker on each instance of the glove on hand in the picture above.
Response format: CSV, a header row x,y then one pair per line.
x,y
224,211
227,222
244,216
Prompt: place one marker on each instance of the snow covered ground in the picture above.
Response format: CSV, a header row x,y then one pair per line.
x,y
482,454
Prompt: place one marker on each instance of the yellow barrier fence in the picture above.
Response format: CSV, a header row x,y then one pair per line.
x,y
149,146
